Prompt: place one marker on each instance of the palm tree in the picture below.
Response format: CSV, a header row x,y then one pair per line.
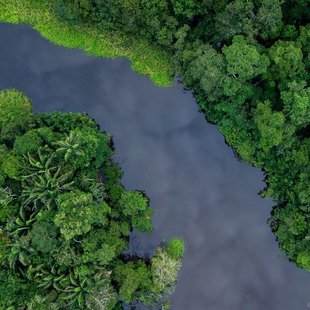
x,y
18,256
44,188
79,288
23,223
39,164
70,146
55,277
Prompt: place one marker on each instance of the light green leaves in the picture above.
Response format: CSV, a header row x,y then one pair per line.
x,y
165,270
286,59
296,101
270,125
15,114
175,248
244,61
77,213
136,206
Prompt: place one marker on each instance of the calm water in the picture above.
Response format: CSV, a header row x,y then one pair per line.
x,y
198,190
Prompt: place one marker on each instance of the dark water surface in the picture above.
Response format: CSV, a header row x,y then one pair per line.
x,y
198,190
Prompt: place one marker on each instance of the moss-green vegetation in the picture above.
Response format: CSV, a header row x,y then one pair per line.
x,y
40,14
247,63
65,219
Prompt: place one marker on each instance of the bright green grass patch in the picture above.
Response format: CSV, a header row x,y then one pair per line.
x,y
145,58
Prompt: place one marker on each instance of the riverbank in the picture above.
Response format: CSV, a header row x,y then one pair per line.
x,y
162,143
145,59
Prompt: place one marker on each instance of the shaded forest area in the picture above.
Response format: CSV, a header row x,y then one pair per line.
x,y
247,63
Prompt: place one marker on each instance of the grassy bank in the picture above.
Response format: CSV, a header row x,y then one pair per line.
x,y
145,59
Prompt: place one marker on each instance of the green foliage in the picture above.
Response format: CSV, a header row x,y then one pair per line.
x,y
44,236
65,122
235,19
102,298
15,114
244,61
262,18
197,63
286,59
247,63
250,77
296,11
32,139
78,213
186,8
145,58
164,270
6,197
270,126
303,260
296,101
29,142
136,206
269,17
150,19
10,165
65,219
12,290
132,277
175,248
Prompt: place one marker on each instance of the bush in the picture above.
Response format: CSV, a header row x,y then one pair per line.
x,y
15,114
175,248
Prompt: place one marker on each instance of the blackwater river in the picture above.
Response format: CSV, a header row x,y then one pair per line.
x,y
198,190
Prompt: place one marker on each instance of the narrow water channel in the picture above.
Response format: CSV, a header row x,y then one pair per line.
x,y
198,190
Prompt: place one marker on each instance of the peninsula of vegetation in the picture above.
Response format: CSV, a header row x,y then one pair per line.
x,y
65,218
247,63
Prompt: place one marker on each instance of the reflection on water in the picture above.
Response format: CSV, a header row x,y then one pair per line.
x,y
198,190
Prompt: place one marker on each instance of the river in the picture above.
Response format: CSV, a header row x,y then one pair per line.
x,y
198,190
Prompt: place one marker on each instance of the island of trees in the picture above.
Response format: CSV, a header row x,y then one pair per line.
x,y
66,220
247,63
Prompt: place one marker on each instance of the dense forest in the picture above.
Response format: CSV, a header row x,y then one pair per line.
x,y
65,218
247,63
